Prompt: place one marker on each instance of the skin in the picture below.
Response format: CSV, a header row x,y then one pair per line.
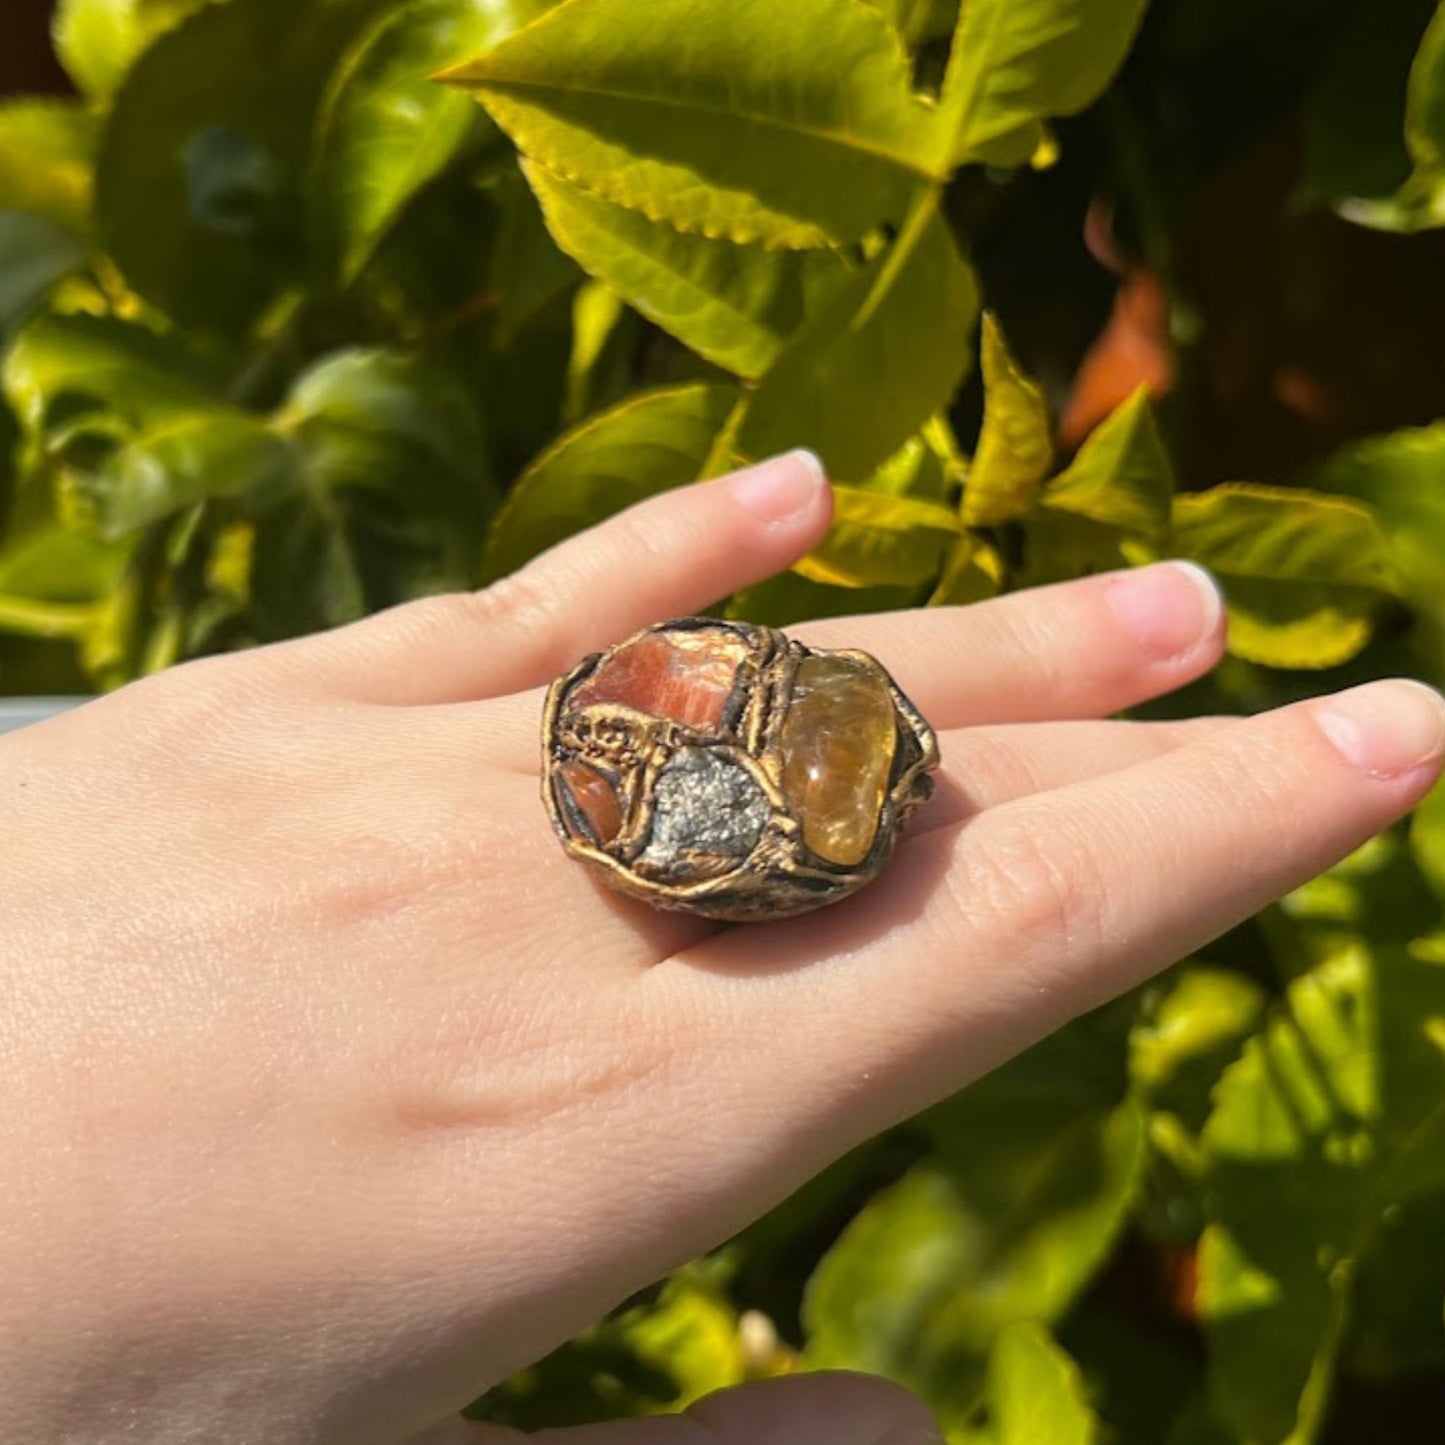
x,y
335,1092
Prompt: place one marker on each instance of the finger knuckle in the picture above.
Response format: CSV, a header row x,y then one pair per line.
x,y
520,603
193,704
1037,890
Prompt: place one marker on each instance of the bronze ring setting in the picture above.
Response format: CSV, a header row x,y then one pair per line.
x,y
727,770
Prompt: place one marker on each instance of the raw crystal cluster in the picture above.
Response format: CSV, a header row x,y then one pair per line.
x,y
727,770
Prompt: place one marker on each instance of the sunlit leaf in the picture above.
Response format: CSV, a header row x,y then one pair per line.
x,y
1035,1392
131,422
596,311
34,254
790,598
46,150
1121,476
921,467
734,305
1427,838
791,125
386,127
1014,448
1189,1034
1354,141
198,191
884,353
1035,1169
1303,574
972,571
691,1333
98,40
1017,62
919,20
1425,99
878,540
61,368
650,443
1398,476
1306,1144
54,564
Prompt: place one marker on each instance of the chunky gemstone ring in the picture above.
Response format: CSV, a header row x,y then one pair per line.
x,y
727,770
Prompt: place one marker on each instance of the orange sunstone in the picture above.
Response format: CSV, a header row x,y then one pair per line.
x,y
684,676
594,796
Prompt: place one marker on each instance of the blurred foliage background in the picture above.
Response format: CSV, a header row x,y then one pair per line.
x,y
292,331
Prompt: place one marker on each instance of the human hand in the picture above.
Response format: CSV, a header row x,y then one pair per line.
x,y
336,1092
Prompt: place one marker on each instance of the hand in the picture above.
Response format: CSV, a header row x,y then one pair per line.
x,y
335,1091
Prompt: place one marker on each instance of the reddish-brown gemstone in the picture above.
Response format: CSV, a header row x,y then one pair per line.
x,y
685,676
594,796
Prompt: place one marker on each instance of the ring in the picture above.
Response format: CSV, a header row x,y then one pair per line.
x,y
727,770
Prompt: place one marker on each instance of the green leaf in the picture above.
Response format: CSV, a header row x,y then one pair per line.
x,y
791,125
53,563
878,540
1398,477
1121,476
528,272
1035,1168
206,454
1427,838
389,500
1395,1325
790,598
921,467
887,351
972,572
1309,1145
918,21
46,154
387,128
399,398
691,1333
1188,1034
734,305
1425,100
61,368
1108,508
1035,1392
1354,142
1303,574
1017,62
1419,201
98,40
130,422
198,192
597,314
34,254
653,441
1014,450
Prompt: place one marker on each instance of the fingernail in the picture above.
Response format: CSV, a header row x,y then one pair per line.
x,y
781,487
1386,728
1168,607
911,1434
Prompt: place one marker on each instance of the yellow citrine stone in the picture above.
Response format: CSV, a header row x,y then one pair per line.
x,y
837,750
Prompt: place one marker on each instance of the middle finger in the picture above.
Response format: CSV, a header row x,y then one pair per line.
x,y
1077,650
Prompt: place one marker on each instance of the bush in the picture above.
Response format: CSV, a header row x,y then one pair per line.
x,y
292,331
